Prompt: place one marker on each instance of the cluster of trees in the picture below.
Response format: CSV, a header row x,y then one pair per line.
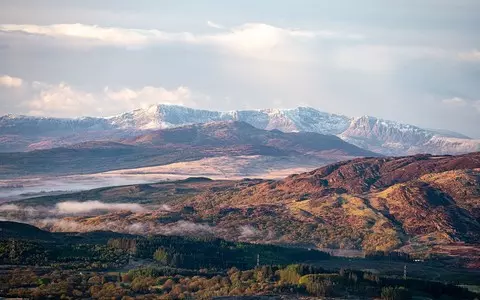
x,y
173,251
187,268
68,255
170,283
198,253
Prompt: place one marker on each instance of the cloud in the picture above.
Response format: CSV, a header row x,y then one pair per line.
x,y
143,97
10,82
181,228
381,58
99,35
248,232
12,209
186,228
9,208
215,25
476,105
166,207
263,41
456,101
462,103
72,216
74,207
63,100
473,55
257,40
71,208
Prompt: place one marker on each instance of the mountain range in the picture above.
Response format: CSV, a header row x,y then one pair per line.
x,y
23,133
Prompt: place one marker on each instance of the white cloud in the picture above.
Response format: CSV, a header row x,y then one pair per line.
x,y
215,25
71,208
462,103
149,95
256,40
101,35
63,100
9,208
263,41
74,207
11,82
473,55
455,101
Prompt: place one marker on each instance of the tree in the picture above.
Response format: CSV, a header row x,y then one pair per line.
x,y
161,255
291,274
317,285
395,293
142,284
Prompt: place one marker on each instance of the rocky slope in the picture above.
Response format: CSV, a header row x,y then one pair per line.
x,y
392,138
382,136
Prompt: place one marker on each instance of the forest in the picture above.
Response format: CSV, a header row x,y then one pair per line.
x,y
104,265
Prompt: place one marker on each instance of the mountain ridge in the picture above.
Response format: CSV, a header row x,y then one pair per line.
x,y
179,144
374,134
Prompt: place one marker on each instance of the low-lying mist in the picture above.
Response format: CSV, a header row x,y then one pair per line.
x,y
21,188
74,207
131,218
70,208
74,216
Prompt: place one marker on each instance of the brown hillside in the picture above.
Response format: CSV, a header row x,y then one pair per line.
x,y
420,204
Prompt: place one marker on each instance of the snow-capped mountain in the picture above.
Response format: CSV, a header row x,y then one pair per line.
x,y
21,133
32,126
382,136
288,120
393,138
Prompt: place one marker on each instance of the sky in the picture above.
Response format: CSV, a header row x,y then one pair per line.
x,y
416,62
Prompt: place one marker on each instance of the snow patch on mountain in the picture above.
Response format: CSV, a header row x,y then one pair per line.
x,y
451,145
288,120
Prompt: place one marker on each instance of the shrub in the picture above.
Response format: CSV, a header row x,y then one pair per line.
x,y
291,274
161,256
395,293
317,284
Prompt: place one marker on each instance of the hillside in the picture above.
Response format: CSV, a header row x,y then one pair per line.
x,y
225,134
424,205
188,143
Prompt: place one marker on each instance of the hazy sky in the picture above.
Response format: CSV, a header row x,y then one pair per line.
x,y
411,61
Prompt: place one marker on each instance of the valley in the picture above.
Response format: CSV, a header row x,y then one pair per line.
x,y
426,206
153,214
316,198
239,150
223,167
